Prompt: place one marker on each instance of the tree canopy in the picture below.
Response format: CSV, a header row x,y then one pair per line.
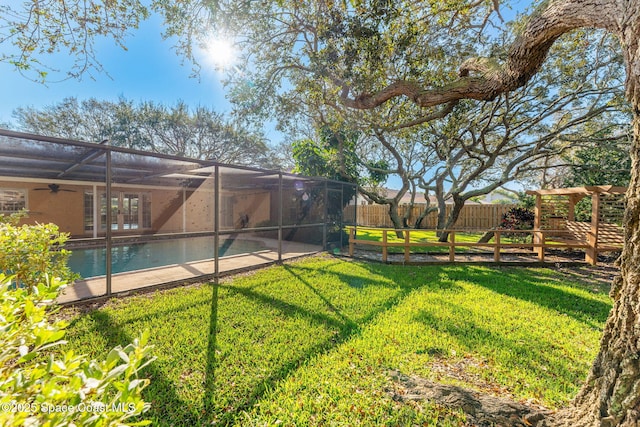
x,y
31,31
199,133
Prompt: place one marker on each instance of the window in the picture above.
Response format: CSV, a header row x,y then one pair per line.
x,y
12,200
88,211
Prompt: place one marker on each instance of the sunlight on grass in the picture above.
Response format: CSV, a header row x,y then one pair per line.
x,y
415,236
422,237
312,342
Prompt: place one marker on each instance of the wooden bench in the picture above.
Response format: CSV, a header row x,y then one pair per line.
x,y
578,231
610,236
572,234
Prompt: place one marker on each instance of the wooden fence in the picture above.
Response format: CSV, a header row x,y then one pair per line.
x,y
541,240
472,217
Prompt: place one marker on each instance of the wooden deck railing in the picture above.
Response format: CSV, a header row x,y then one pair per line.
x,y
541,240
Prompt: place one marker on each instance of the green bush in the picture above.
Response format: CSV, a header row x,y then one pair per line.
x,y
41,384
517,219
29,252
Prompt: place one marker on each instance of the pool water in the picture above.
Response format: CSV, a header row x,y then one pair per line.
x,y
91,262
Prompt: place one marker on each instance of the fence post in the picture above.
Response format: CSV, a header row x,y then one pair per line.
x,y
541,240
385,251
406,245
352,238
452,246
496,249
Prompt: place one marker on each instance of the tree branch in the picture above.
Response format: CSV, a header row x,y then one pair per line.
x,y
482,78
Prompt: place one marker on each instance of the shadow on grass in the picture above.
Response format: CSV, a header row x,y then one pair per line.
x,y
345,328
334,318
345,320
546,359
160,387
406,278
538,288
224,396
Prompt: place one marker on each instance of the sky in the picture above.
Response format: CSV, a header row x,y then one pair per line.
x,y
148,71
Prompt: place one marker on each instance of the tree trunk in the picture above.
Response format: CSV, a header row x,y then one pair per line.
x,y
442,217
423,215
442,208
486,237
406,216
396,220
458,204
611,393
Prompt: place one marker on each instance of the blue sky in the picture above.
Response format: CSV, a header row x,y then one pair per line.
x,y
148,71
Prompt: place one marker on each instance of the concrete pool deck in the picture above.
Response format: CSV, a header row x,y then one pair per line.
x,y
135,280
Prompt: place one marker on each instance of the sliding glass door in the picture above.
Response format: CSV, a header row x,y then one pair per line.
x,y
129,211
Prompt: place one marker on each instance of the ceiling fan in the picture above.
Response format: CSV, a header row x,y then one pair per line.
x,y
54,188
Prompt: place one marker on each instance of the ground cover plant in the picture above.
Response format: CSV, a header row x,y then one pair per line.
x,y
313,342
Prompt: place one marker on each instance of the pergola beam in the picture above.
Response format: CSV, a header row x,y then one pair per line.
x,y
584,191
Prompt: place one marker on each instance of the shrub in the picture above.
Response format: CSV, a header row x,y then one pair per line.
x,y
40,383
517,219
29,252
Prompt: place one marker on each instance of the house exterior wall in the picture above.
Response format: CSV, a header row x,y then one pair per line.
x,y
255,205
63,208
171,210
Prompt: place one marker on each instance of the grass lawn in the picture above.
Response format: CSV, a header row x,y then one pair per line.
x,y
428,237
312,342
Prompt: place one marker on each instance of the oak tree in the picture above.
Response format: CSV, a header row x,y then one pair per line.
x,y
343,50
197,133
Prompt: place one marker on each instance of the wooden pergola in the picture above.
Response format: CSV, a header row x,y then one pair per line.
x,y
555,219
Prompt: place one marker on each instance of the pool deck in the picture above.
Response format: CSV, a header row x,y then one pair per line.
x,y
135,280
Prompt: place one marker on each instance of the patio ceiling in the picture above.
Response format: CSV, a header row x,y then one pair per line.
x,y
48,159
35,157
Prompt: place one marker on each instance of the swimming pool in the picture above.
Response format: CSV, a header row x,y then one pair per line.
x,y
91,262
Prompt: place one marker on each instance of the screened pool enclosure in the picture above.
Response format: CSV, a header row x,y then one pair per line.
x,y
138,219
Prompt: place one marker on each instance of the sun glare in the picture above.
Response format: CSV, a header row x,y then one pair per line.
x,y
220,53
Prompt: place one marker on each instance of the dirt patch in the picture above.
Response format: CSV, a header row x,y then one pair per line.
x,y
598,277
482,409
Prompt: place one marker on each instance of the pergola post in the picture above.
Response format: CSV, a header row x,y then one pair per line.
x,y
591,255
573,200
